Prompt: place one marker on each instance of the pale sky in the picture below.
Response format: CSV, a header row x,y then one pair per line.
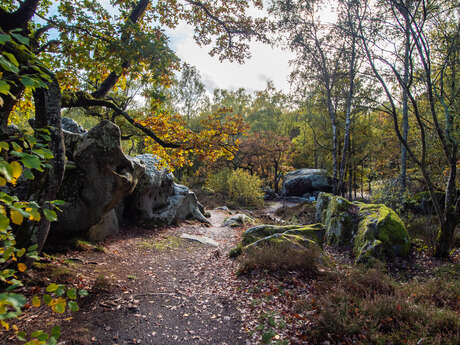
x,y
266,63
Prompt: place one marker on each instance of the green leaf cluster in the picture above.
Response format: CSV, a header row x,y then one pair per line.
x,y
19,67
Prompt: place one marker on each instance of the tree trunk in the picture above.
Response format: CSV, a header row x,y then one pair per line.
x,y
351,174
48,115
20,18
333,118
276,178
351,87
451,210
405,106
9,102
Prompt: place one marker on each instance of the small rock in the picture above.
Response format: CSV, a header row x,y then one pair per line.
x,y
224,208
201,239
238,220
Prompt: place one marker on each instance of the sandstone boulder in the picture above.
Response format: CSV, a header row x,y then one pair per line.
x,y
370,230
304,182
236,220
157,200
106,227
98,176
289,236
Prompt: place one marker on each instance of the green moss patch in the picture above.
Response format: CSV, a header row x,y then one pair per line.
x,y
312,232
290,238
371,230
381,233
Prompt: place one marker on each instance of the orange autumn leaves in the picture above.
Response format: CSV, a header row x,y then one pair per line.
x,y
218,137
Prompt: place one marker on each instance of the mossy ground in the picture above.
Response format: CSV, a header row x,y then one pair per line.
x,y
411,300
167,243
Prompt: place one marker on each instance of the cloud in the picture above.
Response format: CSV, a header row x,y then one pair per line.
x,y
266,63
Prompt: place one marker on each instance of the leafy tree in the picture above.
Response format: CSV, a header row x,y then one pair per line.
x,y
265,153
95,49
431,90
316,60
189,93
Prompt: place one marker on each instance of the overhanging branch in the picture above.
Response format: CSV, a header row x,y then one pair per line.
x,y
84,100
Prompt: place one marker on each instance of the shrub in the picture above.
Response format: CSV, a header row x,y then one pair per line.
x,y
245,189
390,195
218,182
424,228
242,188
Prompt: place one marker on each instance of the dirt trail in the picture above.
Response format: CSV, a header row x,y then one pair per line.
x,y
169,291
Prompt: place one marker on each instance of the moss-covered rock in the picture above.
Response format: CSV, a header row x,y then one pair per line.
x,y
372,230
237,220
381,233
313,232
286,240
294,236
339,216
322,202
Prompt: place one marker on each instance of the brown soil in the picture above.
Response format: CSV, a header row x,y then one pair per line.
x,y
150,288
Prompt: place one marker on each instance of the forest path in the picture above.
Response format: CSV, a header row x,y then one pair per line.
x,y
168,290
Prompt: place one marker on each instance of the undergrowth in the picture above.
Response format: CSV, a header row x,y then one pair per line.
x,y
238,186
369,307
276,258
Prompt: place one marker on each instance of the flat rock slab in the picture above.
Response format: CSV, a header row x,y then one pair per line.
x,y
201,239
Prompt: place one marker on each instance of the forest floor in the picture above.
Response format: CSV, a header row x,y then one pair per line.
x,y
151,288
158,288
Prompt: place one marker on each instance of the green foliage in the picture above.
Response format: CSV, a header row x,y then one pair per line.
x,y
218,182
245,189
20,157
389,194
242,188
18,64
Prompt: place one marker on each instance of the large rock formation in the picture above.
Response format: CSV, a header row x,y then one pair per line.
x,y
98,176
305,182
371,230
157,200
102,185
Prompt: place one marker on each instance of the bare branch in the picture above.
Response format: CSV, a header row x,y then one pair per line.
x,y
84,100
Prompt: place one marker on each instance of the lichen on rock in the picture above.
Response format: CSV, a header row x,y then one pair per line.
x,y
103,186
303,181
157,200
371,230
101,176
